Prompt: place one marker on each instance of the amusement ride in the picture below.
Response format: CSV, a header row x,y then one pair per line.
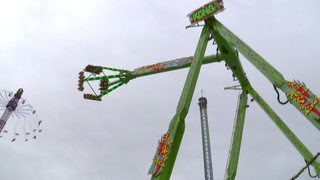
x,y
228,48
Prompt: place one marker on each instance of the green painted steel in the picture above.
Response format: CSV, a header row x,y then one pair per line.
x,y
111,89
124,76
103,77
184,103
190,84
303,150
233,159
230,56
262,65
229,45
114,69
224,38
176,64
272,74
232,60
304,100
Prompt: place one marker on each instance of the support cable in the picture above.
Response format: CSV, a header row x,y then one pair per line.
x,y
278,96
312,176
307,166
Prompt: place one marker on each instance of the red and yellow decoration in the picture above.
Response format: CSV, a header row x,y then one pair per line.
x,y
304,97
161,154
156,67
299,92
311,107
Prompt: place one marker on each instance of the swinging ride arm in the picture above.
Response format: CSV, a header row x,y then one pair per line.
x,y
108,83
229,45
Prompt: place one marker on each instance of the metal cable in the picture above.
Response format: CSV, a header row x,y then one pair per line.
x,y
278,96
305,167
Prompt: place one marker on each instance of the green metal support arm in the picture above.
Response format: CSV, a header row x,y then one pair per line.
x,y
233,62
232,164
297,93
306,154
162,166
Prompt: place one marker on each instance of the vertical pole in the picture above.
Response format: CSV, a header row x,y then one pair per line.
x,y
234,152
208,172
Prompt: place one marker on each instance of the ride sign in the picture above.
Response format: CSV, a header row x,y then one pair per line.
x,y
206,11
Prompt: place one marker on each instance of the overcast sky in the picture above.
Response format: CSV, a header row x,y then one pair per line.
x,y
45,43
